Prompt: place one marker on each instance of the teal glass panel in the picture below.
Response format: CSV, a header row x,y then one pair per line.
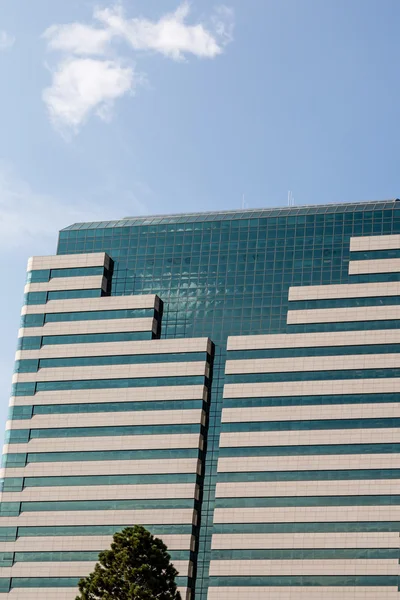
x,y
331,449
77,272
29,343
16,436
109,455
347,326
164,503
308,580
309,501
317,351
374,254
47,363
73,556
308,554
339,474
13,460
344,303
26,412
96,338
32,298
313,375
98,384
97,315
9,533
312,425
312,400
38,276
55,582
26,366
71,294
36,320
99,480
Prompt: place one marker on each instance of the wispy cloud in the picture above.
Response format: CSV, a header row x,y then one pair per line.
x,y
89,75
6,40
28,216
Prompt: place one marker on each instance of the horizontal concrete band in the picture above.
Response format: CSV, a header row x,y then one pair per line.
x,y
67,569
308,463
105,467
103,492
61,594
147,417
313,340
311,363
343,315
128,442
90,543
378,265
309,438
86,327
238,568
262,489
346,290
102,517
306,514
141,394
374,242
175,369
254,541
295,593
92,304
68,261
387,385
68,283
117,348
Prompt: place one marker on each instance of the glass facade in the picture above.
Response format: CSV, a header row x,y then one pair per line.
x,y
229,274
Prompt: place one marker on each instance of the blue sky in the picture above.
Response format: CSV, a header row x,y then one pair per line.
x,y
157,106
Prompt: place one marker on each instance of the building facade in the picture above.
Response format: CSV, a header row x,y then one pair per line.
x,y
229,380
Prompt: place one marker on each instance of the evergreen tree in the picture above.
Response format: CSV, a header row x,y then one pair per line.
x,y
137,567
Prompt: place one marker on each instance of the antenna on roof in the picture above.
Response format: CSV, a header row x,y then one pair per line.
x,y
290,198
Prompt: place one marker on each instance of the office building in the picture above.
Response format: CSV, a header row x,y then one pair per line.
x,y
229,380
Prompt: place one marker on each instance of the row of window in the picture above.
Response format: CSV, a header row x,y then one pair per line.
x,y
22,459
31,388
307,580
27,412
311,400
297,501
16,508
36,342
8,534
325,424
307,554
17,484
33,365
344,302
314,475
7,559
345,326
7,584
18,436
32,298
314,351
39,319
44,275
313,375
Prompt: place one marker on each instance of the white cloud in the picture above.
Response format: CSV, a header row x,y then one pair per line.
x,y
77,38
89,76
6,40
171,35
83,85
